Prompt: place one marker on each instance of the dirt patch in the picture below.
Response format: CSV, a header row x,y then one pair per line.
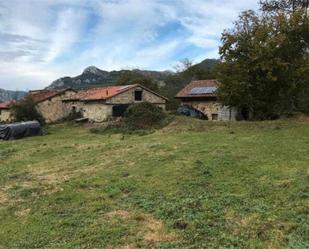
x,y
151,229
47,176
127,246
3,197
130,246
118,214
23,212
155,231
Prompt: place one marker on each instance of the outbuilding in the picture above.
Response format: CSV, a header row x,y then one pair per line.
x,y
99,104
202,95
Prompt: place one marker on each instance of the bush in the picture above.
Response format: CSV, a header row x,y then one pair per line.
x,y
24,110
140,119
144,116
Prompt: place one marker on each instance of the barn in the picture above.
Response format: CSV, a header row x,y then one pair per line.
x,y
202,95
99,104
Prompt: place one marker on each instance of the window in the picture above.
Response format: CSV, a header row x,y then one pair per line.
x,y
138,95
214,116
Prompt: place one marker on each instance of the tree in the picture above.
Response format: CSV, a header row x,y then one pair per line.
x,y
264,58
271,6
24,110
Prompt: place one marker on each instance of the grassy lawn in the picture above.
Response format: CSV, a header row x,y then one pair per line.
x,y
194,184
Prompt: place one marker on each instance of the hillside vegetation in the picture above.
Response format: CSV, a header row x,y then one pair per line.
x,y
193,184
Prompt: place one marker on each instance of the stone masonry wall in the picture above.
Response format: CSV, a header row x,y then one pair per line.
x,y
5,116
99,111
54,109
213,109
128,98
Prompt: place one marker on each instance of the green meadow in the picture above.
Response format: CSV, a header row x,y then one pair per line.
x,y
193,184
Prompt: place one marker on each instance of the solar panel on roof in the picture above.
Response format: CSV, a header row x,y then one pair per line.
x,y
203,90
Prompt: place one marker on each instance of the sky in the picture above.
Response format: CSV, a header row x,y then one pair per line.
x,y
43,40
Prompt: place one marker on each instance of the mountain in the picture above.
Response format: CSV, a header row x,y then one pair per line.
x,y
6,95
207,64
93,76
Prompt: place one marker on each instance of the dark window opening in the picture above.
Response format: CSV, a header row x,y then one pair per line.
x,y
119,110
214,116
138,95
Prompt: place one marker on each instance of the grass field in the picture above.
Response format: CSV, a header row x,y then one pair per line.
x,y
194,184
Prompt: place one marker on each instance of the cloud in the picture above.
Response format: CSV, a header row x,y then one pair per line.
x,y
41,41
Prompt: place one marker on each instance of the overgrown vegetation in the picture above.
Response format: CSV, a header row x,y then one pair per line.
x,y
265,56
24,110
193,184
144,116
141,118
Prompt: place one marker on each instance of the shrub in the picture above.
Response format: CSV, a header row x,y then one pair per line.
x,y
24,110
144,116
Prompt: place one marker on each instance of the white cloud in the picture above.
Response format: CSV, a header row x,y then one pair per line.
x,y
41,41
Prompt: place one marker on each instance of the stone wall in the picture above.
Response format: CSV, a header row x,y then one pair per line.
x,y
213,109
54,109
5,116
99,111
128,98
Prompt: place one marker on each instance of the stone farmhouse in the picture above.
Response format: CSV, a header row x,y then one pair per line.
x,y
5,112
201,95
50,105
99,104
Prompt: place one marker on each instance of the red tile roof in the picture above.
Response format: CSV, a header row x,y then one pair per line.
x,y
186,91
105,93
41,95
5,105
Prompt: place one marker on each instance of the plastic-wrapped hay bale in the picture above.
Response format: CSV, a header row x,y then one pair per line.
x,y
20,130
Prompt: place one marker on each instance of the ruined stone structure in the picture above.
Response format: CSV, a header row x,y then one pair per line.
x,y
201,95
99,104
50,105
5,113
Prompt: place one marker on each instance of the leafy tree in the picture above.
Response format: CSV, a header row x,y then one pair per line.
x,y
264,61
25,110
274,6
